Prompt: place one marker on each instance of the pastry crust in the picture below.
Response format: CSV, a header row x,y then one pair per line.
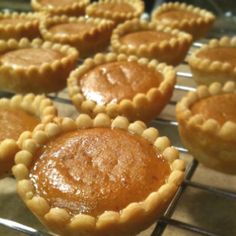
x,y
198,27
113,223
45,78
36,105
75,9
171,51
143,106
94,40
117,17
207,71
211,143
29,29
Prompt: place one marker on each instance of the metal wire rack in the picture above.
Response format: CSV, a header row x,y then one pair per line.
x,y
166,219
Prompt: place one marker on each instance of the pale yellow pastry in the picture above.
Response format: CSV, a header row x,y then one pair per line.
x,y
88,35
18,116
97,176
19,25
215,61
118,84
207,125
35,66
60,7
151,40
193,20
116,10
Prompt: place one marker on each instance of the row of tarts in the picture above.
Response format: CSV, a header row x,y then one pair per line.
x,y
105,173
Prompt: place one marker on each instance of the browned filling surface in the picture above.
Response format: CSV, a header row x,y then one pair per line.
x,y
13,21
115,7
14,121
29,57
57,3
112,82
222,54
176,15
219,107
78,28
98,169
135,39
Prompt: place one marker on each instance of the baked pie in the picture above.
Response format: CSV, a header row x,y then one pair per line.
x,y
18,116
207,125
215,61
88,35
116,10
185,17
117,84
97,176
19,25
151,40
35,66
61,7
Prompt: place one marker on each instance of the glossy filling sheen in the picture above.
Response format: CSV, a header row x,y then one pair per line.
x,y
56,3
222,54
112,82
26,57
177,15
219,107
79,28
98,169
115,7
14,121
135,39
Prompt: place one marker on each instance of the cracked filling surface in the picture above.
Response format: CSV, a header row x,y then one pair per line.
x,y
93,170
114,81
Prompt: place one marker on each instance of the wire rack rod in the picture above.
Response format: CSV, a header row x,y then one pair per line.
x,y
184,88
186,75
166,122
22,228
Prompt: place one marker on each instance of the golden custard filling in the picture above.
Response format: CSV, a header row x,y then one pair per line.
x,y
114,81
219,107
135,39
115,7
222,54
99,169
78,28
13,21
23,58
57,3
177,15
15,121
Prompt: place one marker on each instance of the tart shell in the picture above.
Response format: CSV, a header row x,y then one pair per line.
x,y
48,77
30,29
95,40
171,51
117,17
143,106
37,105
198,28
130,220
75,9
206,71
211,143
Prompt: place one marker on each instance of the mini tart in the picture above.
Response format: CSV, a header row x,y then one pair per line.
x,y
17,115
185,17
35,66
19,25
129,220
118,84
60,7
88,35
150,40
207,125
116,10
215,61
